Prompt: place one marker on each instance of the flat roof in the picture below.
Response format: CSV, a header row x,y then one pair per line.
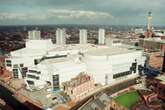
x,y
155,40
161,78
27,52
55,60
40,96
109,51
72,47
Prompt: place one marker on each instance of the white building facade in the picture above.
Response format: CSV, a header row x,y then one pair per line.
x,y
21,59
112,65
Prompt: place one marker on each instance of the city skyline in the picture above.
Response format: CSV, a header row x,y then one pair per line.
x,y
112,12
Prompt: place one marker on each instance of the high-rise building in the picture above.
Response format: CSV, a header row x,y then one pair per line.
x,y
149,25
60,36
101,39
83,36
34,35
149,21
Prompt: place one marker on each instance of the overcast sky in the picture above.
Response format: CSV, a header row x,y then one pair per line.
x,y
127,12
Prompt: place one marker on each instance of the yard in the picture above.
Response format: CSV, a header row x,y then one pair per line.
x,y
128,99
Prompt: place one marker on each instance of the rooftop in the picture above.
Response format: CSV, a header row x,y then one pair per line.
x,y
109,51
54,60
156,60
161,78
155,40
99,102
27,52
79,79
72,47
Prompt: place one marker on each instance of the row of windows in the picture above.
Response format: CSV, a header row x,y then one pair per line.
x,y
133,68
8,63
34,71
15,73
37,61
30,82
121,74
56,81
16,65
24,71
32,76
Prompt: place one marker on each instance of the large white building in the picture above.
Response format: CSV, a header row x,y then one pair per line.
x,y
60,36
41,62
83,36
101,36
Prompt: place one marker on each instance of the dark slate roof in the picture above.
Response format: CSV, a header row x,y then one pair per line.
x,y
99,102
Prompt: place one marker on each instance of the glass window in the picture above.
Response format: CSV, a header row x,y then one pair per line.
x,y
8,63
34,71
30,82
21,65
15,73
31,76
121,74
15,66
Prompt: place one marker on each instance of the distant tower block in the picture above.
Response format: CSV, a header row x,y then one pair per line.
x,y
60,36
101,39
34,35
149,21
83,36
149,24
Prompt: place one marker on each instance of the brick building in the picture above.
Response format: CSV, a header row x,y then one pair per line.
x,y
79,86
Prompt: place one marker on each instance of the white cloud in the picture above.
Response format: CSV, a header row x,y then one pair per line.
x,y
55,13
21,16
77,14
